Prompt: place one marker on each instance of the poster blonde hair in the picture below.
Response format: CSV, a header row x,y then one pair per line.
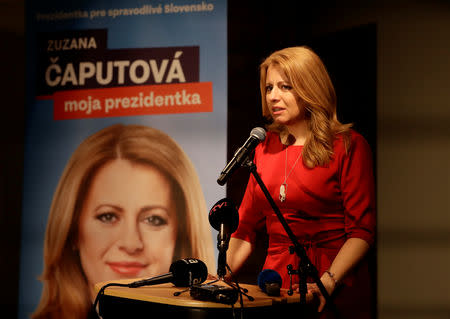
x,y
312,85
66,293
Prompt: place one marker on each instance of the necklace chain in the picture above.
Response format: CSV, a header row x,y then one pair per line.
x,y
283,186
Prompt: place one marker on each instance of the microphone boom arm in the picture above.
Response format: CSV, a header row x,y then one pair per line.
x,y
257,135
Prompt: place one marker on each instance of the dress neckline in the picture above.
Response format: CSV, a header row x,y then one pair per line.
x,y
287,145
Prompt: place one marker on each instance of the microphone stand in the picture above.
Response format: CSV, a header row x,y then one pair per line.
x,y
222,265
305,267
223,239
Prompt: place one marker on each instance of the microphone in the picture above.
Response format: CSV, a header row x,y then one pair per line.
x,y
270,282
182,273
257,135
224,218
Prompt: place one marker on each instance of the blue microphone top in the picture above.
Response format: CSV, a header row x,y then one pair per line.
x,y
268,276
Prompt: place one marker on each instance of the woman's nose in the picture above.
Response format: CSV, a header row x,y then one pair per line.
x,y
131,240
273,95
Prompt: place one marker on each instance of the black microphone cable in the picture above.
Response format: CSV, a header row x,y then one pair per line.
x,y
241,292
101,292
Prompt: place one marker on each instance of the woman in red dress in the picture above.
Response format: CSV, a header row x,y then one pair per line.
x,y
320,174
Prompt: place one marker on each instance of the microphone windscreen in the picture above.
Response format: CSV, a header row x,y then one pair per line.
x,y
259,133
224,212
188,271
269,278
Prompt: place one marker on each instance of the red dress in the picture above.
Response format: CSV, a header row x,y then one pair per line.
x,y
324,207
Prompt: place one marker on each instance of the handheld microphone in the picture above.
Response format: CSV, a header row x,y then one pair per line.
x,y
270,282
182,273
224,218
257,135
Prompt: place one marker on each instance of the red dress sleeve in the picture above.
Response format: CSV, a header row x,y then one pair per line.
x,y
358,191
251,218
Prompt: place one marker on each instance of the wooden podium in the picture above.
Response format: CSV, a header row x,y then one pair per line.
x,y
159,300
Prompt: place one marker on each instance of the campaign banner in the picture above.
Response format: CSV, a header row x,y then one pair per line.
x,y
131,72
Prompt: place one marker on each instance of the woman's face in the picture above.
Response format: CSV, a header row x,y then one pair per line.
x,y
127,227
281,99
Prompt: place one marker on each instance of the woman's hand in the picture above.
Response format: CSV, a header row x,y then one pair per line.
x,y
314,290
329,285
350,254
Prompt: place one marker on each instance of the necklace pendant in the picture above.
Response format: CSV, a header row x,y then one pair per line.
x,y
283,192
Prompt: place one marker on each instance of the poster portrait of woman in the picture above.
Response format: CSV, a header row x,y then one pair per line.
x,y
128,203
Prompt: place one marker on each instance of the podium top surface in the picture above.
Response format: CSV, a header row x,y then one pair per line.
x,y
164,294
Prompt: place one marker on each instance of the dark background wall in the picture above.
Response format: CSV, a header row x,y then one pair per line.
x,y
12,88
390,63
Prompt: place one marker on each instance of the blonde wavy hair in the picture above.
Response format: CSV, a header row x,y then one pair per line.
x,y
65,292
312,84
